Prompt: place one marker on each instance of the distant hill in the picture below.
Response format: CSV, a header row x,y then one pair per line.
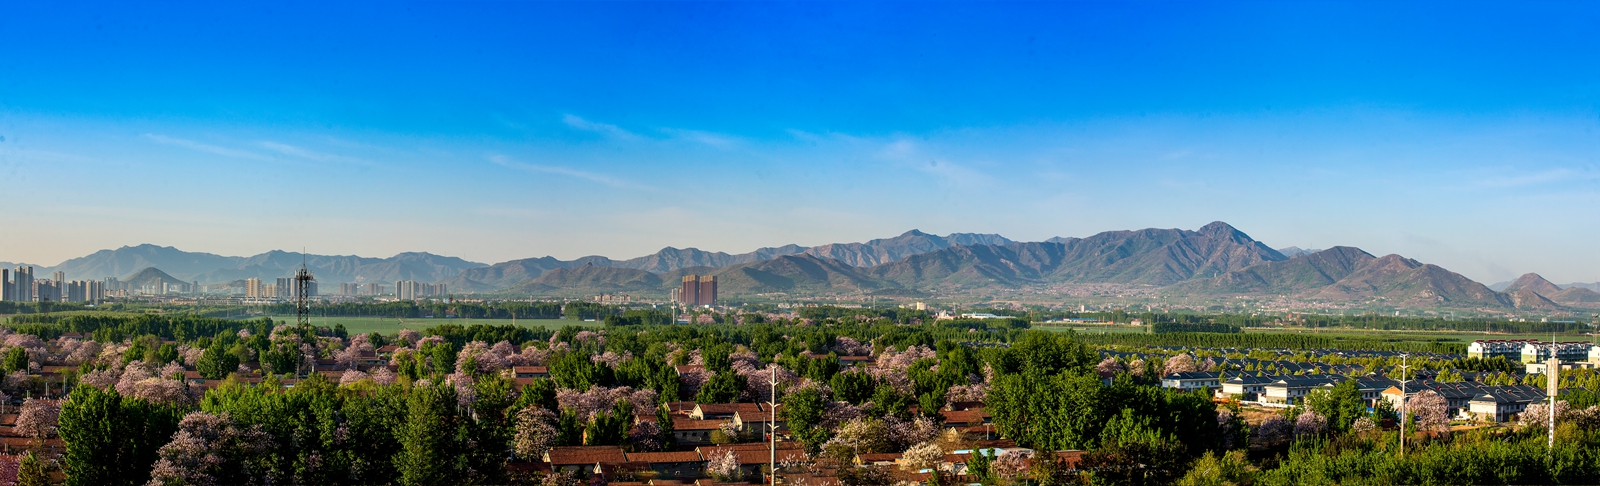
x,y
1348,274
503,274
1595,286
1295,251
590,279
1533,284
886,250
795,273
1150,256
129,259
671,260
1298,275
151,276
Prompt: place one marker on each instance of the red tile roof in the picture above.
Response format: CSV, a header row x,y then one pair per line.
x,y
665,457
562,456
680,423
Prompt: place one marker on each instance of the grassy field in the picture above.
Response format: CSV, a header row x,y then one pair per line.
x,y
390,325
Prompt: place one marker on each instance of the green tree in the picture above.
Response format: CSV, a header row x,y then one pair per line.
x,y
491,428
721,388
167,353
1047,353
111,439
1341,405
430,441
31,472
853,386
215,363
802,410
16,359
541,392
889,401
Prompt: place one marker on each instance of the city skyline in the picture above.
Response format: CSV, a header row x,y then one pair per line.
x,y
1461,137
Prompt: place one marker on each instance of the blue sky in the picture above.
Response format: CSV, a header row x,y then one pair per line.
x,y
1464,134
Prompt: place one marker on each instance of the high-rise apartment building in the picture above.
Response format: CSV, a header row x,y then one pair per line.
x,y
5,285
253,288
698,290
412,290
22,284
46,291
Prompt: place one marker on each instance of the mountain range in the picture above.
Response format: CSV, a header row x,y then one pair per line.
x,y
208,268
1216,262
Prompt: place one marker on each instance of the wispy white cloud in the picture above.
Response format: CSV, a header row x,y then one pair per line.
x,y
294,151
207,148
506,162
707,138
910,154
606,129
1525,179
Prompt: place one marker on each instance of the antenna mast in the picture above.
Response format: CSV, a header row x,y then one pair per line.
x,y
302,288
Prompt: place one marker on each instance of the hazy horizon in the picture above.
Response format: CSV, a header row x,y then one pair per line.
x,y
1464,137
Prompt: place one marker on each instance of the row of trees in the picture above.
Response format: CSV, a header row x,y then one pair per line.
x,y
1172,327
409,309
1279,341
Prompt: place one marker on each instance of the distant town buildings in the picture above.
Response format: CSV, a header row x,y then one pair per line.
x,y
612,298
20,286
1529,350
412,290
697,290
357,288
288,288
253,288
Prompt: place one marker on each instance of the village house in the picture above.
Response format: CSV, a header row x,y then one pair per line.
x,y
1503,403
1193,380
688,431
710,411
583,459
672,465
1244,387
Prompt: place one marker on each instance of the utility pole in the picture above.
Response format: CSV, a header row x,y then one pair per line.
x,y
1403,369
772,427
1552,369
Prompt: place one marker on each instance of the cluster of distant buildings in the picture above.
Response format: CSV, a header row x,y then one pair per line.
x,y
696,291
286,288
19,285
1465,399
1534,354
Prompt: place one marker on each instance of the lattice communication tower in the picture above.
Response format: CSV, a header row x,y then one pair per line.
x,y
302,289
